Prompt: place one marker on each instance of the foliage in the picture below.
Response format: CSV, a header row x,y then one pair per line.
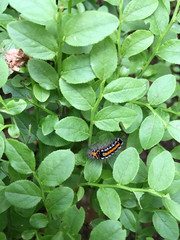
x,y
95,73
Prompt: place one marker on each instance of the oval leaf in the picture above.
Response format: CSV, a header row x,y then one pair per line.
x,y
40,93
151,131
92,170
124,89
56,167
77,69
43,11
86,28
43,73
59,200
20,156
161,171
161,89
166,225
108,118
81,97
170,51
72,129
23,194
137,42
174,129
109,229
34,39
103,65
126,166
136,11
106,196
173,207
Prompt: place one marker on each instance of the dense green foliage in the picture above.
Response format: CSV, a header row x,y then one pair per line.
x,y
96,71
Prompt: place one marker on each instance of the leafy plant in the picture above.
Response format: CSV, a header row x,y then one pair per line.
x,y
95,71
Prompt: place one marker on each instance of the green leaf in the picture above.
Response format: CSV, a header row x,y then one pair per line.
x,y
161,171
40,93
176,152
73,219
15,106
48,124
151,131
113,2
80,193
51,139
28,234
81,97
128,220
153,153
20,156
109,202
4,202
139,10
77,69
166,225
72,129
2,236
160,18
36,11
108,118
126,166
13,131
92,170
109,229
103,58
58,200
173,207
86,28
23,194
137,42
56,167
138,120
1,146
5,19
124,89
170,51
174,129
161,89
34,39
3,6
38,220
43,73
4,72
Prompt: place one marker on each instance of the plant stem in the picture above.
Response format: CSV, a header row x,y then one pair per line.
x,y
158,44
69,6
151,109
3,103
170,111
39,106
93,110
119,37
60,43
130,189
42,192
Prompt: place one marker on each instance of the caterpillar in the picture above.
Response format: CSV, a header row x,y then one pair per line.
x,y
106,152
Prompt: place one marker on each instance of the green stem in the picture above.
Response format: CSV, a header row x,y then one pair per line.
x,y
6,126
158,44
151,109
3,103
69,6
42,192
130,189
93,110
39,106
119,37
60,43
170,111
